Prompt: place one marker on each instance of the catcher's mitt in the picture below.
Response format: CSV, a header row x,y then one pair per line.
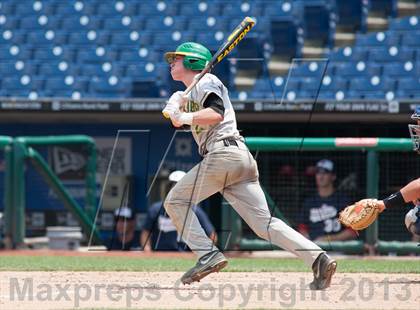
x,y
360,215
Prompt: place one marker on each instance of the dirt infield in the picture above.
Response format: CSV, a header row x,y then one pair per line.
x,y
69,290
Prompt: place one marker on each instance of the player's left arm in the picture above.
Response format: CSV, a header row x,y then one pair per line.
x,y
407,194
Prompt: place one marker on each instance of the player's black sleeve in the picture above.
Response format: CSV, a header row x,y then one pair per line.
x,y
214,102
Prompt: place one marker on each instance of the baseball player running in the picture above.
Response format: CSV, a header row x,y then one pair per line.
x,y
364,212
227,167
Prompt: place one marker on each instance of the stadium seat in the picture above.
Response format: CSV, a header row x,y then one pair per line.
x,y
399,69
378,39
251,8
141,71
209,23
110,87
310,68
356,53
411,39
40,37
7,8
160,8
391,54
23,9
408,88
405,24
354,69
202,8
283,8
371,84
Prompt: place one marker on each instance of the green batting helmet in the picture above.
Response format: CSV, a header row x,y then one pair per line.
x,y
196,56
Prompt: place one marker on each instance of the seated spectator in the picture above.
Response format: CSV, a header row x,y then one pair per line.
x,y
159,233
319,217
124,237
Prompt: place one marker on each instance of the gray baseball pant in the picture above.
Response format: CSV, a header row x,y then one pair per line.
x,y
232,171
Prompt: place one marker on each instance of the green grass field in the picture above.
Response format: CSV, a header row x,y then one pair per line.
x,y
68,263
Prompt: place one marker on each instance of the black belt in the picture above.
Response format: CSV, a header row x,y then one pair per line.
x,y
228,142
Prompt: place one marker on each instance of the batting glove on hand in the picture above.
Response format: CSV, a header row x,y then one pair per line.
x,y
178,99
181,118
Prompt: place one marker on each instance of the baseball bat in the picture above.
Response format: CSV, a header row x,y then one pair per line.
x,y
228,45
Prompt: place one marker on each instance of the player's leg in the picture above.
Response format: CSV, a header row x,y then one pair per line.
x,y
199,183
187,192
249,201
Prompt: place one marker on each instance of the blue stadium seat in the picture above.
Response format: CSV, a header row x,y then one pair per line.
x,y
168,8
211,23
103,88
30,22
310,68
96,55
130,8
51,69
310,84
333,84
72,23
68,8
356,53
7,8
405,24
136,22
7,68
283,8
23,9
55,85
171,39
80,39
408,88
146,89
44,54
411,39
69,54
45,8
39,38
92,70
369,84
201,8
106,9
161,23
391,54
209,40
12,37
123,38
354,69
378,39
9,22
399,69
88,8
14,53
114,24
81,84
140,72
